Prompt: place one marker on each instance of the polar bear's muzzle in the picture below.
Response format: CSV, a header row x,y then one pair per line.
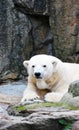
x,y
38,72
37,75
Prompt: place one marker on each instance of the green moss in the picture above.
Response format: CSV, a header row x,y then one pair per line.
x,y
43,105
20,108
36,105
71,107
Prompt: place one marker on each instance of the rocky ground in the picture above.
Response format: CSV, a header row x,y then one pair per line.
x,y
36,116
12,92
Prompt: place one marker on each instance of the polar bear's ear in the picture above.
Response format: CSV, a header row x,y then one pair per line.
x,y
26,63
54,63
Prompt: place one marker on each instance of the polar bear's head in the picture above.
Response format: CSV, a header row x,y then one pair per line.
x,y
41,66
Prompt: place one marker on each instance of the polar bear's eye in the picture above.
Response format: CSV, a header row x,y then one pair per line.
x,y
44,66
33,66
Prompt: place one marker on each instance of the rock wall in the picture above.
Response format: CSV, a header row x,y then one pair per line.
x,y
64,22
29,27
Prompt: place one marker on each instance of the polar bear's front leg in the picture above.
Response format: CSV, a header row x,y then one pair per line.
x,y
30,93
53,97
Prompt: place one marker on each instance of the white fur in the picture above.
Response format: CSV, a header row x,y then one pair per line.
x,y
56,77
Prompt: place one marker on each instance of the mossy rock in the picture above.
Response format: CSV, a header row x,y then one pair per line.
x,y
74,88
25,110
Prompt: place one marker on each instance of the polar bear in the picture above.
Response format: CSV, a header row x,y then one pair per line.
x,y
48,78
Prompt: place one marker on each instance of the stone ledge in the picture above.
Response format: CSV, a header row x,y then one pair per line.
x,y
39,120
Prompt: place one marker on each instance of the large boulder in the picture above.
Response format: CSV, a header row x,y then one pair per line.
x,y
74,88
72,97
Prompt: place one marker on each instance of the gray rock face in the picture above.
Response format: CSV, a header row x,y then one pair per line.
x,y
4,50
22,34
64,22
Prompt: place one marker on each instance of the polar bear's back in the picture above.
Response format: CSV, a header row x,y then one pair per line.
x,y
72,66
72,70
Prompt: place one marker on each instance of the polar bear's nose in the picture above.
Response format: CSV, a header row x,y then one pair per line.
x,y
37,74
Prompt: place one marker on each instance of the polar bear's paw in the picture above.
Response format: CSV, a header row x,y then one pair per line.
x,y
52,97
30,98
